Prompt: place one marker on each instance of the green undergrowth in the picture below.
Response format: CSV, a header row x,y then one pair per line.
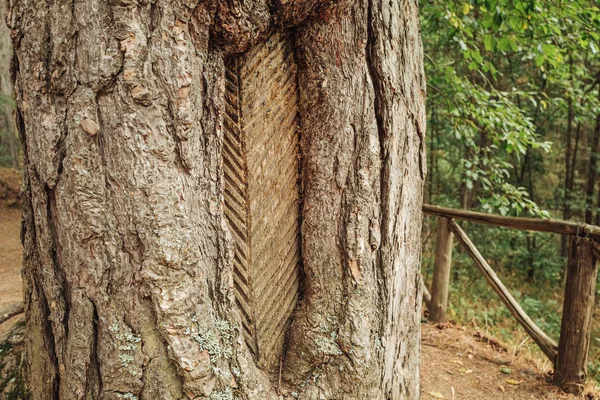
x,y
530,266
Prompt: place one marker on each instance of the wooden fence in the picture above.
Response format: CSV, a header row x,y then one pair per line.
x,y
570,355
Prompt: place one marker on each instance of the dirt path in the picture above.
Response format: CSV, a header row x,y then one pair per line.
x,y
11,254
473,367
10,257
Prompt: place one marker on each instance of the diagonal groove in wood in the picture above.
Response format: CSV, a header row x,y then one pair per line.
x,y
283,94
284,277
266,278
263,54
236,201
267,255
268,202
260,164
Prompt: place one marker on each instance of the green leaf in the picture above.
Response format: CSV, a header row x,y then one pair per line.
x,y
540,60
503,44
514,22
488,42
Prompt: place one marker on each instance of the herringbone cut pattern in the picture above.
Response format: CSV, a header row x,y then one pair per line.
x,y
261,194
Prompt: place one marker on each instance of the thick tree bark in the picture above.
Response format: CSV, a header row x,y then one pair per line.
x,y
129,258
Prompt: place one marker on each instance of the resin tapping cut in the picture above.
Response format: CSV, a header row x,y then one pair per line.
x,y
260,161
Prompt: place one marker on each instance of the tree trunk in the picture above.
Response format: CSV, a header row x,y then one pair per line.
x,y
591,183
9,141
569,163
154,180
578,310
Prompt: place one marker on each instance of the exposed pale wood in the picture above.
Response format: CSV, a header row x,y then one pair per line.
x,y
261,196
441,272
576,328
530,224
546,344
10,311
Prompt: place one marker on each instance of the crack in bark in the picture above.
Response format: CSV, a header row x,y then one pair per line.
x,y
94,362
383,215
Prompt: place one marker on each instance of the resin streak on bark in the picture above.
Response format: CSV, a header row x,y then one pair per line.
x,y
261,191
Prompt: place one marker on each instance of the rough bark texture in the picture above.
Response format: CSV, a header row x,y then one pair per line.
x,y
129,257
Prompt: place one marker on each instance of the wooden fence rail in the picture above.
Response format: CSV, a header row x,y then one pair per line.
x,y
527,224
570,355
547,345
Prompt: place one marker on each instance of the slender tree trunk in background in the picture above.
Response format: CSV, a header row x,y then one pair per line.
x,y
568,165
571,182
483,144
432,175
9,140
465,196
531,239
591,183
129,259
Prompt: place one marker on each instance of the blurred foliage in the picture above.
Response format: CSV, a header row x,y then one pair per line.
x,y
513,114
9,147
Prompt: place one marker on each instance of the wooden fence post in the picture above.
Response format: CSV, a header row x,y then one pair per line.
x,y
441,272
570,371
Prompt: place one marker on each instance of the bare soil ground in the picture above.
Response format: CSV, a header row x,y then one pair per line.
x,y
11,254
10,185
457,363
461,363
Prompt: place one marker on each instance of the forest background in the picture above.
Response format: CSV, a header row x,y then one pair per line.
x,y
513,129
